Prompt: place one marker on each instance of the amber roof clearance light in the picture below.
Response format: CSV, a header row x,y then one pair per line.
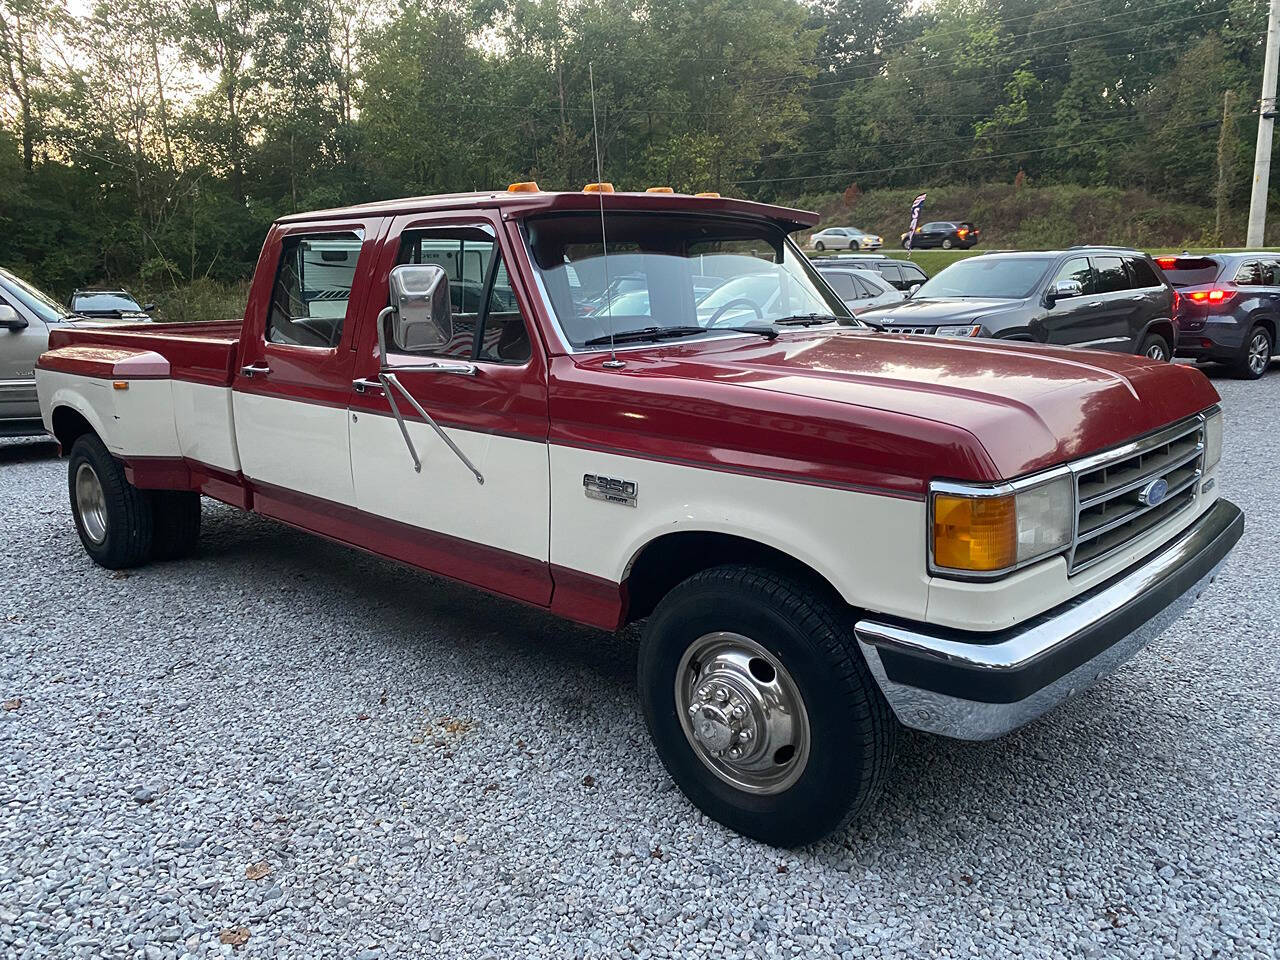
x,y
524,186
710,194
598,188
659,190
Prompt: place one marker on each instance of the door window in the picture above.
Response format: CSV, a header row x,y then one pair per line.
x,y
1271,273
912,274
1111,274
892,273
312,289
487,323
843,285
1077,269
1143,275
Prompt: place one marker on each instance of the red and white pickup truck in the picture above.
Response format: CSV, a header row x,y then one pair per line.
x,y
829,531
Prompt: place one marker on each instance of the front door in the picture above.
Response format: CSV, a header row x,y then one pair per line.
x,y
290,396
1070,319
19,349
495,533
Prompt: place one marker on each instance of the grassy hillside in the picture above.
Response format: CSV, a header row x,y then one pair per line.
x,y
1033,218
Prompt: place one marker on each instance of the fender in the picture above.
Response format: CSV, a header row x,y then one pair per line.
x,y
1164,327
124,394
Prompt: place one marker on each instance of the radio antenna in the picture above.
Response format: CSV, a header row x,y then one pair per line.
x,y
613,363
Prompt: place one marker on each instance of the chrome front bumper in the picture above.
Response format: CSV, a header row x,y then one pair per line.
x,y
978,686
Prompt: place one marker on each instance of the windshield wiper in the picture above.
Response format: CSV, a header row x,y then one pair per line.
x,y
666,333
806,319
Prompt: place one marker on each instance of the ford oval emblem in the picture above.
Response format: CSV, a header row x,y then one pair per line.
x,y
1153,493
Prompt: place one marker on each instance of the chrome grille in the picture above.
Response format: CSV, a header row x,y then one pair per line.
x,y
1111,509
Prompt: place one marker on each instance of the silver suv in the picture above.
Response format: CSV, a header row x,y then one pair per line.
x,y
25,317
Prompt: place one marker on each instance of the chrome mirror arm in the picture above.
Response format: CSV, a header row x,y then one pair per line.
x,y
390,384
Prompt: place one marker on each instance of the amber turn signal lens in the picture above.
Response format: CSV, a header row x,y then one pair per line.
x,y
974,533
598,188
524,186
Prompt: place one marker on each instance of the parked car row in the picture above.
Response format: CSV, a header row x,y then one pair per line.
x,y
1218,308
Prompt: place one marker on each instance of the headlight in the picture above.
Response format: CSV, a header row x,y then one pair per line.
x,y
994,530
1212,440
968,330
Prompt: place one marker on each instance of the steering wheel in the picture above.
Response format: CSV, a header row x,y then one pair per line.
x,y
737,301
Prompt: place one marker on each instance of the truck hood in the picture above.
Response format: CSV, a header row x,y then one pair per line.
x,y
921,407
938,310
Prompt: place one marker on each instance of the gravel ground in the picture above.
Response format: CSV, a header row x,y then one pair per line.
x,y
291,741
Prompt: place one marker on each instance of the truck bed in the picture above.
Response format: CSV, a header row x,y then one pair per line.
x,y
196,352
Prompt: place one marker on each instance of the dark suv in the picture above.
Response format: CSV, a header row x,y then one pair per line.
x,y
946,234
1108,298
1228,308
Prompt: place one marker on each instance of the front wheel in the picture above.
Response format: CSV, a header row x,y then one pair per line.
x,y
819,246
1155,347
114,518
760,705
1256,357
947,244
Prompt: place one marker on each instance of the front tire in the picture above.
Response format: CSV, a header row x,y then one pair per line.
x,y
1256,355
1155,347
819,246
761,706
114,518
947,244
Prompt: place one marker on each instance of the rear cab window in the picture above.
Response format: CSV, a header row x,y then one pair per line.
x,y
312,289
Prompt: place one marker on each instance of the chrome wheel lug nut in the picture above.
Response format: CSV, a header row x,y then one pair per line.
x,y
722,695
745,736
739,712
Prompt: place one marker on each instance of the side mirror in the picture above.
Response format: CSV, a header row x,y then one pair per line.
x,y
1064,289
148,307
421,314
9,319
911,290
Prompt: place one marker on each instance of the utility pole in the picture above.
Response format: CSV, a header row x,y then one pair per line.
x,y
1266,124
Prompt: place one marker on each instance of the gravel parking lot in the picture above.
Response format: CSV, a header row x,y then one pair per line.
x,y
289,741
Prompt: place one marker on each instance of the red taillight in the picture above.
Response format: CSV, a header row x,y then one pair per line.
x,y
1210,296
1166,262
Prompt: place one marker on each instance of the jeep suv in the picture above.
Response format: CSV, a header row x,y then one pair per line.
x,y
1107,298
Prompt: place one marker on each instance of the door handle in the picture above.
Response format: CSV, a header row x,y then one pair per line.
x,y
364,385
254,369
1096,303
1138,298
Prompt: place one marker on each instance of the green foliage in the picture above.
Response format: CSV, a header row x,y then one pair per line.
x,y
153,141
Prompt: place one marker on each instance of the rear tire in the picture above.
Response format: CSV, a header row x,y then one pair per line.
x,y
731,638
177,524
1255,357
1155,347
114,518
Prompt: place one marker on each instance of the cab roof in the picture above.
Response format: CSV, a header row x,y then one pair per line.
x,y
516,205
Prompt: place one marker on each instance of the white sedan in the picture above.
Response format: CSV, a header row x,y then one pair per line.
x,y
844,238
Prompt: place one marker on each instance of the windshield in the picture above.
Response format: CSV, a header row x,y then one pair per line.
x,y
38,303
682,271
1004,278
105,302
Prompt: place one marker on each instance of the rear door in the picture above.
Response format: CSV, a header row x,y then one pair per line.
x,y
1113,310
297,356
1151,297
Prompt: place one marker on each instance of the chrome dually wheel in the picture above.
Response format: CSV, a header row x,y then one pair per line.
x,y
91,503
742,713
